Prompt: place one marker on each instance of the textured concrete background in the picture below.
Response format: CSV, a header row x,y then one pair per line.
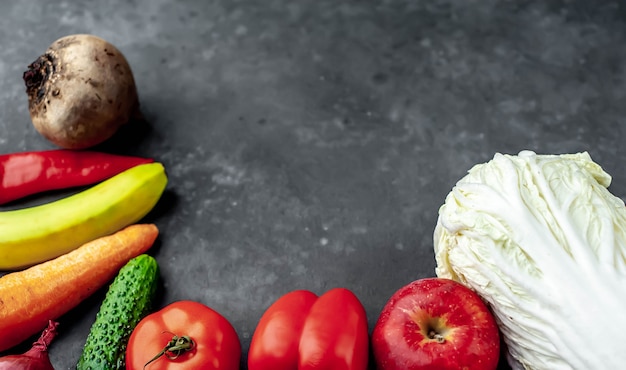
x,y
309,144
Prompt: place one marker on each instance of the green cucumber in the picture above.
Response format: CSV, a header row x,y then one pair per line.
x,y
127,301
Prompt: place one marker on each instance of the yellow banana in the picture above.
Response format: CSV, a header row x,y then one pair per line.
x,y
32,235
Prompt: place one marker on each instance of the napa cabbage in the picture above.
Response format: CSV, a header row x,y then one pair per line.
x,y
543,241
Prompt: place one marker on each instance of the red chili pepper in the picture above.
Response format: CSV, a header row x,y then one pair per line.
x,y
28,173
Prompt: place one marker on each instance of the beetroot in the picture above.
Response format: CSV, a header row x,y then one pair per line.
x,y
80,91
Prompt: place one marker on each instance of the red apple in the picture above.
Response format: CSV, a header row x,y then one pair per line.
x,y
436,324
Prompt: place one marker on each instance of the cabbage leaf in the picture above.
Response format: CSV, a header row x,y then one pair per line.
x,y
543,241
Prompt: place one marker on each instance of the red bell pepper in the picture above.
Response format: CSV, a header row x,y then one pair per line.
x,y
27,173
301,331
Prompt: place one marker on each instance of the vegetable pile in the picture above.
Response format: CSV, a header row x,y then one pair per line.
x,y
538,239
35,234
81,90
74,246
543,241
32,297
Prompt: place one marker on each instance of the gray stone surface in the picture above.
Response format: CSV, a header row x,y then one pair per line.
x,y
309,144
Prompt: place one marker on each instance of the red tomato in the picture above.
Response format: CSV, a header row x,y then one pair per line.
x,y
215,344
303,332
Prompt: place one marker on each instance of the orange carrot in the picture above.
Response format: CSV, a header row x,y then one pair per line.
x,y
29,298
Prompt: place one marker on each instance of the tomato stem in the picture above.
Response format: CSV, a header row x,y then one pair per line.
x,y
174,348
